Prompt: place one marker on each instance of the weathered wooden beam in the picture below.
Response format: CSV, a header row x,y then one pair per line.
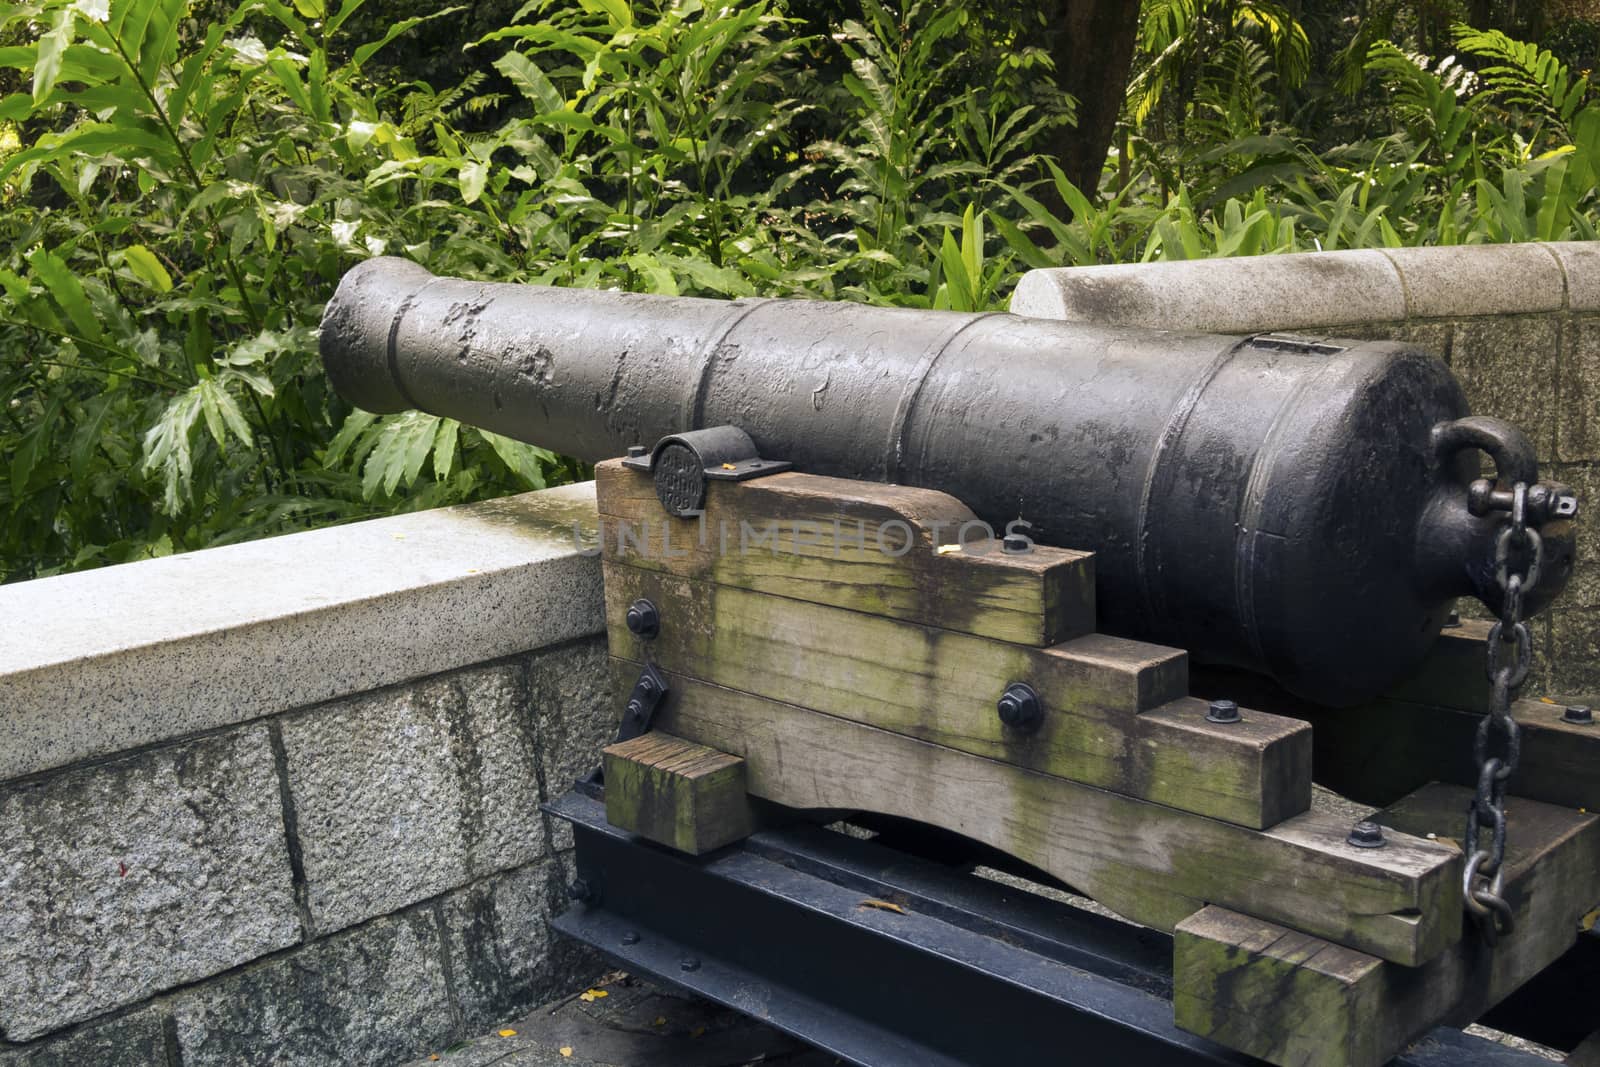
x,y
1116,712
1154,864
1292,998
857,545
1383,750
677,793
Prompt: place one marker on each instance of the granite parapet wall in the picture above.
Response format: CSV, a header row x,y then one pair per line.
x,y
280,802
1518,324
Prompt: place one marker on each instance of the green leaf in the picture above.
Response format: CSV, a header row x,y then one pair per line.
x,y
147,268
161,37
221,410
52,49
473,176
367,51
403,443
527,462
16,107
530,81
26,458
355,425
167,448
444,448
67,292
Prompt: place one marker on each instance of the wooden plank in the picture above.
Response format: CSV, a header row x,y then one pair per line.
x,y
677,793
1381,751
844,543
1291,998
942,687
1154,864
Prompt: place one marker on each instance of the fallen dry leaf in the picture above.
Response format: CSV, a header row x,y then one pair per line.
x,y
592,995
508,1033
566,1050
883,905
661,1020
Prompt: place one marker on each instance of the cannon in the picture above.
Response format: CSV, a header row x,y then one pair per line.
x,y
1305,509
1302,509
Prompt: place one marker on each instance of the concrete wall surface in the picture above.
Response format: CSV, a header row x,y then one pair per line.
x,y
1519,326
279,802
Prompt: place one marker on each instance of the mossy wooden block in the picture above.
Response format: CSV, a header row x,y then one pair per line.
x,y
677,793
1276,993
1291,998
889,550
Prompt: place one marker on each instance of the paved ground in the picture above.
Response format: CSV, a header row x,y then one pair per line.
x,y
633,1024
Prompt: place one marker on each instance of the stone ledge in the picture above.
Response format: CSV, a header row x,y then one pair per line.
x,y
1244,295
1580,262
127,656
1468,281
1314,290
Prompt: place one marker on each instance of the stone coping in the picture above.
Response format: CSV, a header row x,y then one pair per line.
x,y
1320,289
104,661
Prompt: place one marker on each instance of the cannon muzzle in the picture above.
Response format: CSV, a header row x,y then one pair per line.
x,y
1301,508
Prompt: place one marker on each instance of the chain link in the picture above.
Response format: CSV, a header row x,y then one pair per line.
x,y
1518,557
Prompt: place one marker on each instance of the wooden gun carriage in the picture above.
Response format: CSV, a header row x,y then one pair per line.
x,y
820,671
792,649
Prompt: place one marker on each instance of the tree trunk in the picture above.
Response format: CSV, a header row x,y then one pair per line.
x,y
1093,50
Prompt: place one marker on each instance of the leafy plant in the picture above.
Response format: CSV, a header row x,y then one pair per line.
x,y
187,197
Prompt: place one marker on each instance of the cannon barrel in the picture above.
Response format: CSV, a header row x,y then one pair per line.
x,y
1297,508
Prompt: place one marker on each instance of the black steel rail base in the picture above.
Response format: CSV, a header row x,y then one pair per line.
x,y
791,926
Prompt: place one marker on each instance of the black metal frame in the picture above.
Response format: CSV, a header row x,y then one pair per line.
x,y
883,959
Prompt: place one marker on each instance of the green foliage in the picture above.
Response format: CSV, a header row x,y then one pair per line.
x,y
188,199
182,192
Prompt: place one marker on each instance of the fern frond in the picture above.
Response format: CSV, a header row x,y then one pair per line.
x,y
1524,75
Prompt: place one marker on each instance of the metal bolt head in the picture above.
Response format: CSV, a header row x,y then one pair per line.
x,y
581,891
1015,544
1452,619
1367,834
644,620
630,937
1223,711
1578,715
689,963
636,451
1019,706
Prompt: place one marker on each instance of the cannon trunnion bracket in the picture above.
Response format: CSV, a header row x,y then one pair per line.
x,y
821,645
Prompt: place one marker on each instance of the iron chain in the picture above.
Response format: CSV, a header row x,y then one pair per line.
x,y
1518,556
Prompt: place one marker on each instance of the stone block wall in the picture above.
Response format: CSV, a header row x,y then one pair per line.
x,y
280,802
1518,324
